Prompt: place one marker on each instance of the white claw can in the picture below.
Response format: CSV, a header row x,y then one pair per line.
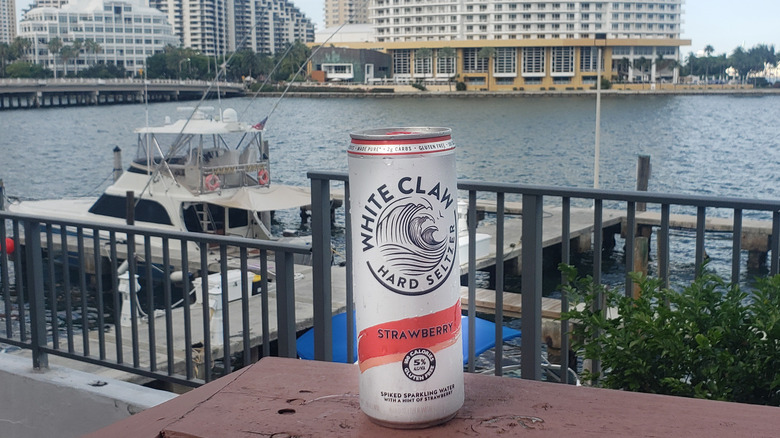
x,y
404,212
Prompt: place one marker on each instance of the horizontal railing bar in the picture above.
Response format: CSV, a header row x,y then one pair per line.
x,y
174,235
604,195
126,368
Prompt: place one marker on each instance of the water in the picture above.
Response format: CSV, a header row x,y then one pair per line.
x,y
706,145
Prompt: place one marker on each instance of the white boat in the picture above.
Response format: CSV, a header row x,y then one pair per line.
x,y
202,174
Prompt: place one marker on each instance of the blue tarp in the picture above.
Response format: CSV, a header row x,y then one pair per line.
x,y
485,339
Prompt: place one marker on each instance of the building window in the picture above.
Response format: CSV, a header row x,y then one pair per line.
x,y
563,60
445,66
621,50
533,61
588,59
422,65
472,63
505,61
401,62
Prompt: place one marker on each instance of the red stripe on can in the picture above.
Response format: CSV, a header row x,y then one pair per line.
x,y
397,337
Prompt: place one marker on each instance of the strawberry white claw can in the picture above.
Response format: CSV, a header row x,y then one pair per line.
x,y
406,275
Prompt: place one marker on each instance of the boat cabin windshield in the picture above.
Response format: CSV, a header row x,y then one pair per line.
x,y
205,154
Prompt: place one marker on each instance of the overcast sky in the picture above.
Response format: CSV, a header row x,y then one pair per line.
x,y
723,24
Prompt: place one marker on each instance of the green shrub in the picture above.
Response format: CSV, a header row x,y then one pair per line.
x,y
460,86
710,340
419,85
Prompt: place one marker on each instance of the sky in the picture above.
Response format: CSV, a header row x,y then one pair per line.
x,y
723,24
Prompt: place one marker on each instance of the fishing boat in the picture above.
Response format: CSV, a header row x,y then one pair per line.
x,y
206,173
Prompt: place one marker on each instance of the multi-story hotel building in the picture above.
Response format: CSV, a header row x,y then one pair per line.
x,y
216,27
267,26
7,21
338,12
505,44
126,31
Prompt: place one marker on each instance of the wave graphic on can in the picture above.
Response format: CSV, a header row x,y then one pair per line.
x,y
406,236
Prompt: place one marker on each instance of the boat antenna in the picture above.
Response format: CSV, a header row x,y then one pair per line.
x,y
304,64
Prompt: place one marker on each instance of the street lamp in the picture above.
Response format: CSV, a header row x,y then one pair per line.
x,y
183,60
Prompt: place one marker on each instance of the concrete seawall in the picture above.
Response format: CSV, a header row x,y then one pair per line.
x,y
63,402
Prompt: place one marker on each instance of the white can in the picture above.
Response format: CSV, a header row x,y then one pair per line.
x,y
406,275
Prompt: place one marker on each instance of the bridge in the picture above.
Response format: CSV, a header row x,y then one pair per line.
x,y
44,93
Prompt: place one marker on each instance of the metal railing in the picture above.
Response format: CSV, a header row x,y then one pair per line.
x,y
61,291
535,199
87,319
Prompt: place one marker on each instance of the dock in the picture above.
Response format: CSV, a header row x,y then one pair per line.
x,y
304,311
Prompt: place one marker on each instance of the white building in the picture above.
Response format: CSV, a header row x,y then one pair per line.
x,y
538,44
126,31
7,21
216,27
338,12
400,20
268,26
201,25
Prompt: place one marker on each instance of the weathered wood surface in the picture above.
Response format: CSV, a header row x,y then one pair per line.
x,y
485,302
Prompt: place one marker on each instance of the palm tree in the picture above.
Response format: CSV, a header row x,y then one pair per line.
x,y
447,53
708,50
641,64
623,64
55,46
424,56
94,47
487,53
78,44
67,53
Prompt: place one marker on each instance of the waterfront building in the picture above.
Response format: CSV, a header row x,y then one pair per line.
x,y
48,3
351,65
551,44
338,12
216,27
122,32
7,21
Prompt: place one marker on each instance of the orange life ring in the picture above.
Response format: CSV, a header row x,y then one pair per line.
x,y
262,177
212,182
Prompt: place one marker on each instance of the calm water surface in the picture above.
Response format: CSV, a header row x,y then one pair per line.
x,y
713,145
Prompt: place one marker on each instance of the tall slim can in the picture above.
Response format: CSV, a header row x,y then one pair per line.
x,y
406,275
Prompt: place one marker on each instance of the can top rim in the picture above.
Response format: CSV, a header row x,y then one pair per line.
x,y
405,132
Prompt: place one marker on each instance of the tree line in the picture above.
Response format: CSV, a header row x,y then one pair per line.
x,y
744,61
171,63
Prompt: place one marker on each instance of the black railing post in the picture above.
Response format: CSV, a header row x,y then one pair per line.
x,y
531,287
471,223
736,246
285,304
321,261
351,347
34,262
